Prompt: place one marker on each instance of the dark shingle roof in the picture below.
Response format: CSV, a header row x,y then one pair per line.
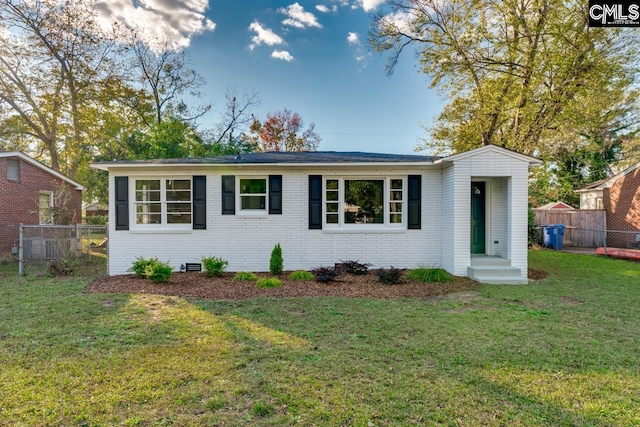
x,y
290,157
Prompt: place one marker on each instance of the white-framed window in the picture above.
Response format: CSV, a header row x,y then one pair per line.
x,y
13,169
364,201
599,204
162,202
45,207
252,192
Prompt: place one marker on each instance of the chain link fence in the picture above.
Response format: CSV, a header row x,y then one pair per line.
x,y
61,250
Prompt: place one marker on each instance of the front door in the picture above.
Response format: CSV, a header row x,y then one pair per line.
x,y
477,217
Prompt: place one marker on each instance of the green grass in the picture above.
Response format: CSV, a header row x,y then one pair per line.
x,y
301,275
244,276
429,275
560,352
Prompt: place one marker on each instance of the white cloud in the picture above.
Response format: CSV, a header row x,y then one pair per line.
x,y
176,20
353,38
264,35
282,54
322,8
400,20
367,5
298,17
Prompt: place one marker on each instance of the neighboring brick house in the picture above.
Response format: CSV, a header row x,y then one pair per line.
x,y
28,191
619,196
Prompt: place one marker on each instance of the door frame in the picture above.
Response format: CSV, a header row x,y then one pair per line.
x,y
487,214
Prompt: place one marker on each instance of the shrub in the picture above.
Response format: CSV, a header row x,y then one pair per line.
x,y
276,263
389,276
301,275
244,276
214,266
268,282
152,269
324,274
430,275
140,265
354,267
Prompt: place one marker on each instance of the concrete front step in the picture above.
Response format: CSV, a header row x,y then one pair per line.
x,y
495,271
501,280
489,260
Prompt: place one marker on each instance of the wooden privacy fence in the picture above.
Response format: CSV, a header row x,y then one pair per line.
x,y
584,227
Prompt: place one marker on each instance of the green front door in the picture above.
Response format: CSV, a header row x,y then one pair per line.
x,y
477,217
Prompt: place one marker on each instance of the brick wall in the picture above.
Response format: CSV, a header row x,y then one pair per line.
x,y
622,203
19,200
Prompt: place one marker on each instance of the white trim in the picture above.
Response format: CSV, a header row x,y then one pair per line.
x,y
163,226
386,200
491,148
45,168
137,166
238,196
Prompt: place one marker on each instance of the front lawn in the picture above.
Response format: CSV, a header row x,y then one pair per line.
x,y
562,351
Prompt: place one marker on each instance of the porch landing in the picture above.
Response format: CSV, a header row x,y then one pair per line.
x,y
494,271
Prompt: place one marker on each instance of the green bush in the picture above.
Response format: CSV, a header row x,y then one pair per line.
x,y
152,269
140,265
389,276
301,275
244,276
214,266
268,282
430,275
276,263
96,219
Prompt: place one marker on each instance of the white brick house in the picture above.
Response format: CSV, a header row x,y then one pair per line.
x,y
322,207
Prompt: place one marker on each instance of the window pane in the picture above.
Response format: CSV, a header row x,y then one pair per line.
x,y
13,169
332,218
179,218
147,196
179,207
332,207
396,219
332,196
363,201
253,186
396,195
178,184
148,208
396,184
395,207
148,184
178,196
253,202
332,184
148,218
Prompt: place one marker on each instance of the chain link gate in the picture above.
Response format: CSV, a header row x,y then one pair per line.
x,y
60,250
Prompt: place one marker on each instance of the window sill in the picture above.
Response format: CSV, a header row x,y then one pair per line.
x,y
163,231
252,215
364,231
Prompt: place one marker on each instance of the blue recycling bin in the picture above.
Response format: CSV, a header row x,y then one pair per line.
x,y
553,235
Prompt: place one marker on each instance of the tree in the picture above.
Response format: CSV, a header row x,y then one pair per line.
x,y
54,62
283,131
516,72
164,72
237,114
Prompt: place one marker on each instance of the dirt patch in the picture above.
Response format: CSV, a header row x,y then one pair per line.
x,y
537,274
223,288
570,301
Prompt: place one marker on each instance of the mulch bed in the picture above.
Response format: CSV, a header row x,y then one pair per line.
x,y
223,288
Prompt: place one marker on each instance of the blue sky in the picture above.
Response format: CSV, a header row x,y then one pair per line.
x,y
308,56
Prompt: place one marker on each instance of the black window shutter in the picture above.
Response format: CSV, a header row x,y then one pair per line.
x,y
122,202
228,195
275,194
315,202
415,203
199,202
